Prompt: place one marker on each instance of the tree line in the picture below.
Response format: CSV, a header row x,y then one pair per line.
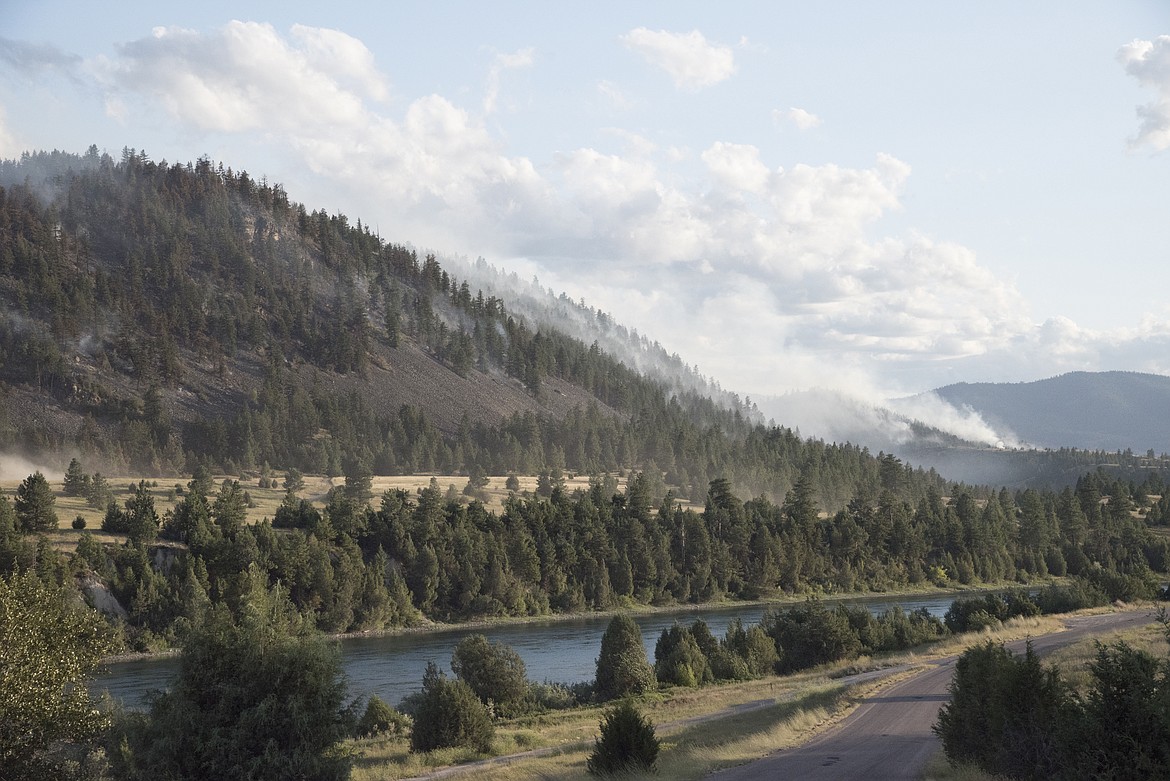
x,y
353,565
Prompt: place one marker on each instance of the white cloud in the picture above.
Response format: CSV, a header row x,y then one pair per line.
x,y
690,60
1149,63
737,167
803,120
247,77
502,62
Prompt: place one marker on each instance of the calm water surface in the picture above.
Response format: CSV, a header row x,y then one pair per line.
x,y
564,650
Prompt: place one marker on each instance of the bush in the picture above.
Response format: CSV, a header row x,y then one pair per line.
x,y
1006,714
808,635
678,660
627,742
557,696
622,668
78,522
495,672
449,715
379,718
259,694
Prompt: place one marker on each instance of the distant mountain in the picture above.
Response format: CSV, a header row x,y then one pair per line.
x,y
1089,410
958,437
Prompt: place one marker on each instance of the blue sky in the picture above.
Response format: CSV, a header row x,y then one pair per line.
x,y
878,197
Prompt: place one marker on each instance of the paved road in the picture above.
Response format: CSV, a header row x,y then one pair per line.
x,y
888,737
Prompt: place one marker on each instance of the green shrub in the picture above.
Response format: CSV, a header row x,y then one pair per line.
x,y
494,671
627,742
449,715
379,718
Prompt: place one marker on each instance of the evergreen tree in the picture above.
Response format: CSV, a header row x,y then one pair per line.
x,y
140,518
449,714
622,668
75,479
627,743
34,505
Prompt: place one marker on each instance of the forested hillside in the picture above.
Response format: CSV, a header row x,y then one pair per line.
x,y
161,316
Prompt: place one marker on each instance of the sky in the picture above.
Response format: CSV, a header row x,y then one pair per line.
x,y
880,198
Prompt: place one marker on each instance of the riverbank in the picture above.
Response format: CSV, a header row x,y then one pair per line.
x,y
428,626
702,730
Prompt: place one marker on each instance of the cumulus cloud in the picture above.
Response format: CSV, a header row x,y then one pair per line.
x,y
1149,63
246,76
803,120
688,58
502,62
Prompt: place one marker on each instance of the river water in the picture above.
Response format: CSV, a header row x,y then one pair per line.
x,y
563,650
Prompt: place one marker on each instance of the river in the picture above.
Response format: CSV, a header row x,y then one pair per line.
x,y
561,650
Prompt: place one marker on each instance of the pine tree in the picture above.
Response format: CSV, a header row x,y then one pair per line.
x,y
34,505
75,479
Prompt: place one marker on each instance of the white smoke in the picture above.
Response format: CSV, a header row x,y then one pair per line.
x,y
16,468
841,416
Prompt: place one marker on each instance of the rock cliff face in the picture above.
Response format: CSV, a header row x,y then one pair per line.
x,y
99,595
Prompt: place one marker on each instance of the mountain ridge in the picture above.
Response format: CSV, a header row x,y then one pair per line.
x,y
1109,410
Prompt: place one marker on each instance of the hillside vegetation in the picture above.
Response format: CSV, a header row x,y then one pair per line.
x,y
163,316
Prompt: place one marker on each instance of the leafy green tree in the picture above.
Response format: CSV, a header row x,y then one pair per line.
x,y
627,743
678,660
622,668
1126,715
449,714
753,646
809,634
494,671
34,505
50,646
16,552
259,695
